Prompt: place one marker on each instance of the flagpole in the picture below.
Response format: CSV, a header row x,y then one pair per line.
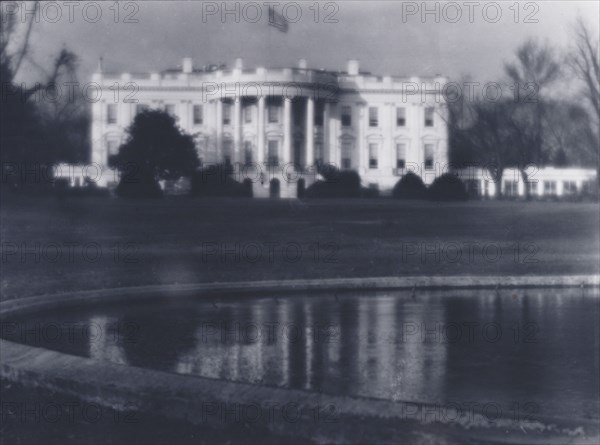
x,y
269,42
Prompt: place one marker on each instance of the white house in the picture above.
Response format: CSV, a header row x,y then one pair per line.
x,y
274,124
283,122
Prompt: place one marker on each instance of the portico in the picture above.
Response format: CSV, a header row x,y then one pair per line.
x,y
271,129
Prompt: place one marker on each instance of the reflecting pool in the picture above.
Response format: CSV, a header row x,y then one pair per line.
x,y
533,352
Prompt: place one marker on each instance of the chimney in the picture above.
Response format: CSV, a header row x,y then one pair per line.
x,y
353,67
239,63
302,64
187,66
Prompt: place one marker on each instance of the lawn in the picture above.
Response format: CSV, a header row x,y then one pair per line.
x,y
53,245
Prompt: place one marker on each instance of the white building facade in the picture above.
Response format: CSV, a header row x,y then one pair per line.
x,y
284,122
278,125
542,183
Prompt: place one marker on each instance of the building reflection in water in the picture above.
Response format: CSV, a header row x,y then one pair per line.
x,y
107,338
379,344
351,345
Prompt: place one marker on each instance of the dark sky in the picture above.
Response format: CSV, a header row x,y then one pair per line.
x,y
373,32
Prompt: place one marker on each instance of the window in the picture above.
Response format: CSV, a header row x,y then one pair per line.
x,y
428,156
140,108
401,117
373,149
346,116
248,152
111,113
273,114
532,188
226,114
429,117
319,115
298,150
346,155
373,117
569,187
248,115
401,155
198,115
318,152
227,146
511,188
549,187
273,153
113,147
170,109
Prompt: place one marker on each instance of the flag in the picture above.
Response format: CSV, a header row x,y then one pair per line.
x,y
277,20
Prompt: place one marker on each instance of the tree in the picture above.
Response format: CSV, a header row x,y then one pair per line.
x,y
29,139
536,68
15,49
66,116
155,149
568,134
584,61
480,132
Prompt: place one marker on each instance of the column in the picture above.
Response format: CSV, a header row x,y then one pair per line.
x,y
520,186
219,128
97,131
310,131
287,130
327,155
559,187
260,155
237,130
335,130
363,161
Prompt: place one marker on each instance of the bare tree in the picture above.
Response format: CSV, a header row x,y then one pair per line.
x,y
480,133
537,67
584,60
567,133
34,131
15,49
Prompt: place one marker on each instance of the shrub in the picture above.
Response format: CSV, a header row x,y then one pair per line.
x,y
216,180
590,191
247,183
448,187
274,188
410,186
337,184
140,187
368,192
300,188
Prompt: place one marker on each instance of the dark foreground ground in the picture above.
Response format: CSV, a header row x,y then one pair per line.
x,y
54,245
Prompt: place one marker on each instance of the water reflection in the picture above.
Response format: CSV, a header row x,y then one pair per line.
x,y
507,348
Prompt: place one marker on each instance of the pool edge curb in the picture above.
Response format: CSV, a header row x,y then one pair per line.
x,y
251,287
